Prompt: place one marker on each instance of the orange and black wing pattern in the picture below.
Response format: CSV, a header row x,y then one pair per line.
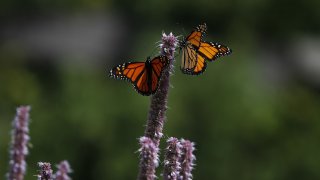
x,y
158,64
195,51
192,63
211,51
196,36
145,76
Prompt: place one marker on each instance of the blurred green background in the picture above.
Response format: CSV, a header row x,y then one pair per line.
x,y
253,115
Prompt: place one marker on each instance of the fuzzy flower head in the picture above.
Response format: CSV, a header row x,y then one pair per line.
x,y
187,159
63,171
168,45
149,158
172,156
45,171
19,141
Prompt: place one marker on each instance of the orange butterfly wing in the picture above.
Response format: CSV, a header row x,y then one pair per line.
x,y
144,76
212,51
195,51
196,36
200,66
192,63
158,65
128,71
209,51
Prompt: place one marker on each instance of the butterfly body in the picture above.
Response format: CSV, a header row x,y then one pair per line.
x,y
148,67
145,76
195,51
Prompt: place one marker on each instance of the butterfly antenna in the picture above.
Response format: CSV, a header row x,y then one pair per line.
x,y
154,49
184,30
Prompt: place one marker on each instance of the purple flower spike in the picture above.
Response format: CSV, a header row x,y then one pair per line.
x,y
168,45
19,141
187,159
45,171
172,156
149,159
63,171
158,105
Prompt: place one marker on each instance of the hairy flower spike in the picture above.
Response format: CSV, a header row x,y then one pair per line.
x,y
187,159
158,105
63,171
149,159
19,140
45,171
168,45
172,156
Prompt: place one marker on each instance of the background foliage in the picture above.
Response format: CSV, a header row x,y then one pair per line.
x,y
253,115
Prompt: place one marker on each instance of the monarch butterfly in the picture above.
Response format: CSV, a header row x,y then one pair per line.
x,y
195,51
145,76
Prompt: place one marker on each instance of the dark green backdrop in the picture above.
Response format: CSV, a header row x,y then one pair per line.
x,y
254,115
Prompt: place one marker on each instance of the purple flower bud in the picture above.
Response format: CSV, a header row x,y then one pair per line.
x,y
168,45
149,159
187,159
172,156
45,171
63,171
19,141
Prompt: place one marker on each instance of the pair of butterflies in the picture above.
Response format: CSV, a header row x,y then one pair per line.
x,y
145,76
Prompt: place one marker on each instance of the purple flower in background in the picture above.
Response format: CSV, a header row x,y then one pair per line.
x,y
149,159
63,171
19,141
45,171
172,156
187,159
